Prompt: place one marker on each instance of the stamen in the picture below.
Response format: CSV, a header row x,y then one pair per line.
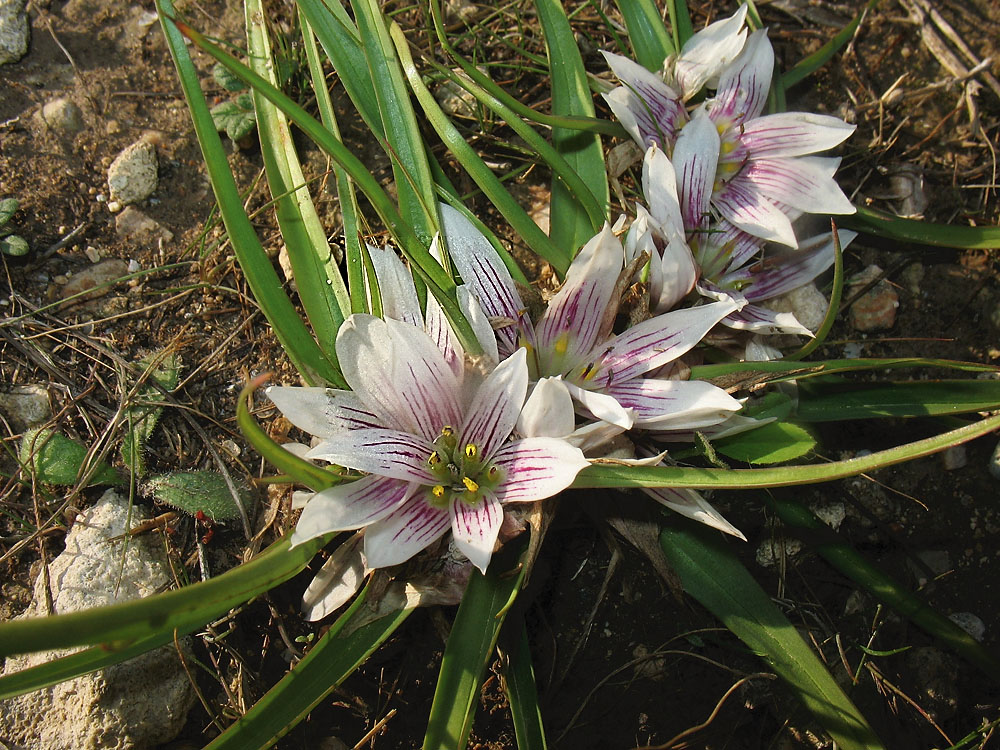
x,y
447,431
470,485
438,491
471,451
434,459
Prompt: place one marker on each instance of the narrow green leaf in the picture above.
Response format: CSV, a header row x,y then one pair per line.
x,y
291,331
519,683
651,41
140,419
772,443
321,289
570,224
680,22
821,401
470,646
833,306
883,224
802,370
606,475
716,578
809,65
848,561
319,673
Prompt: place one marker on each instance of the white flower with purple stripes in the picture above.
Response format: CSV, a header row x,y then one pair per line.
x,y
434,441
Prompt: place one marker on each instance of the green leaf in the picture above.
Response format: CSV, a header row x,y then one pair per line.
x,y
919,232
14,245
519,683
140,419
650,39
470,646
226,79
319,673
803,370
848,561
235,116
680,22
824,401
193,491
773,443
54,458
8,207
712,575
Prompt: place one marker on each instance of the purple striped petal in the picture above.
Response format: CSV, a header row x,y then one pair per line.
x,y
689,404
647,108
387,453
784,273
399,374
708,52
804,182
583,310
741,203
395,285
536,468
350,506
743,86
475,528
404,532
761,320
696,159
692,505
485,275
493,412
793,134
322,411
657,341
601,406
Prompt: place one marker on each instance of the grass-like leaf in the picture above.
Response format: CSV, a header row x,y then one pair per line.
x,y
800,370
919,232
519,685
680,22
809,65
651,42
773,443
821,401
712,575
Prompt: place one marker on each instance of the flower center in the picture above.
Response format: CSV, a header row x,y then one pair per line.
x,y
460,471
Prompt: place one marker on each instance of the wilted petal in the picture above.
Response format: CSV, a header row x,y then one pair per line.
x,y
475,528
708,52
536,468
601,406
405,532
395,286
696,160
350,506
388,453
692,505
548,412
805,183
793,134
582,312
399,373
743,86
336,582
484,274
656,341
741,202
322,411
646,107
681,403
493,412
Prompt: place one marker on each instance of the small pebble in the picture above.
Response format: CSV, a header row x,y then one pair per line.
x,y
954,458
132,176
970,623
994,464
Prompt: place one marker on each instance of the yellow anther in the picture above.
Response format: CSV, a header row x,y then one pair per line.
x,y
434,458
447,431
471,451
470,485
438,491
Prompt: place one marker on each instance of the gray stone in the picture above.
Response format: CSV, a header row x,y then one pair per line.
x,y
14,30
806,303
970,623
62,115
134,224
26,405
874,310
132,176
98,277
133,705
994,464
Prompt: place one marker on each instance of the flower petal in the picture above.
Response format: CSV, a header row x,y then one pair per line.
x,y
337,581
399,374
395,286
321,411
793,134
804,182
381,451
548,412
536,468
481,327
350,506
601,406
405,532
475,528
689,404
491,416
659,185
743,86
692,505
783,274
656,341
583,310
741,202
761,320
646,107
696,160
708,52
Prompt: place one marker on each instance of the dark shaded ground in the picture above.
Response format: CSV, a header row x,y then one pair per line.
x,y
649,666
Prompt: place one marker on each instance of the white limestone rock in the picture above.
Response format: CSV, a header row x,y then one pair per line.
x,y
14,30
132,176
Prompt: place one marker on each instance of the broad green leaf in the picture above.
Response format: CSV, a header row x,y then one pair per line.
x,y
319,673
14,245
320,285
193,491
119,626
650,39
919,232
713,575
809,65
519,684
606,475
570,224
773,443
8,207
226,79
470,646
236,117
140,420
821,401
53,458
848,561
291,331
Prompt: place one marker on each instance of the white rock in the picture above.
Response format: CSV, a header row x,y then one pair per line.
x,y
806,303
26,405
61,114
136,704
132,176
14,30
954,458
